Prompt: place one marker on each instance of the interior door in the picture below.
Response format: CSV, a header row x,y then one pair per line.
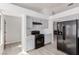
x,y
60,36
70,37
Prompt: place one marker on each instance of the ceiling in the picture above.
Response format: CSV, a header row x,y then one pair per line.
x,y
48,8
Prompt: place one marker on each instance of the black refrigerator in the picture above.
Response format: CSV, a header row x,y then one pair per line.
x,y
67,37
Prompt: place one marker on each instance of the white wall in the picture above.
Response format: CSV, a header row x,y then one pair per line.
x,y
0,29
2,34
12,29
66,15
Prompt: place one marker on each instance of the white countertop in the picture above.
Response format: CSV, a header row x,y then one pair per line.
x,y
30,37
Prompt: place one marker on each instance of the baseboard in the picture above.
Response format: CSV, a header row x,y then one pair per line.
x,y
12,43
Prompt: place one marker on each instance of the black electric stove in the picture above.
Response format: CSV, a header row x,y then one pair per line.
x,y
39,39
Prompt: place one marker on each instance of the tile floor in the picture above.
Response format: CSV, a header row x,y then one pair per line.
x,y
15,49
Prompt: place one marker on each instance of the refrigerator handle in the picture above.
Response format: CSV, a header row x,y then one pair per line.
x,y
64,32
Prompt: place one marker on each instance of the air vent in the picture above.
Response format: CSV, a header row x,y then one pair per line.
x,y
70,4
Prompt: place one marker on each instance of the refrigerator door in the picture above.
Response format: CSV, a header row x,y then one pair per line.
x,y
70,37
60,36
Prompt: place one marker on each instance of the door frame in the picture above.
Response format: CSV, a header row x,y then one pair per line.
x,y
2,33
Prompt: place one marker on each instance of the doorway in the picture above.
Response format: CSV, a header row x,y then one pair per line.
x,y
12,34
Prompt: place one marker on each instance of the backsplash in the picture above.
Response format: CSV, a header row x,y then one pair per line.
x,y
31,26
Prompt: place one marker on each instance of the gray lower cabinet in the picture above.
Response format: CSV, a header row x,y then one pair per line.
x,y
30,43
48,38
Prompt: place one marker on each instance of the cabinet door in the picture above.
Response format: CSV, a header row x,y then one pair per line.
x,y
48,38
30,44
